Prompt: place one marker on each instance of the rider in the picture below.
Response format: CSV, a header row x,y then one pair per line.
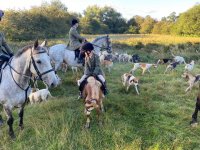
x,y
92,68
5,52
75,40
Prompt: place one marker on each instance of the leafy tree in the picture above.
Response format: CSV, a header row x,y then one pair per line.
x,y
188,23
133,26
147,25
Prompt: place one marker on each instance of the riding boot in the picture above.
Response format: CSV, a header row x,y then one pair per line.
x,y
81,87
104,88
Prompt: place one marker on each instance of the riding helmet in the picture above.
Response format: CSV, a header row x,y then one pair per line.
x,y
1,14
87,47
74,21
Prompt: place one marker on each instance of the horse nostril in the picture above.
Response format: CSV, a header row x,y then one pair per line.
x,y
52,84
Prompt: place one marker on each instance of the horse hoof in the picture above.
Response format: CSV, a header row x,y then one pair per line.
x,y
193,123
12,136
21,127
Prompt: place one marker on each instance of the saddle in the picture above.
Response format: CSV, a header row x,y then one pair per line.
x,y
82,85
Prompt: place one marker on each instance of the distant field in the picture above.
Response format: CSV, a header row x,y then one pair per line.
x,y
157,119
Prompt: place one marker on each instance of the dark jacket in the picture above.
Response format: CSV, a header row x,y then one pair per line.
x,y
92,66
3,45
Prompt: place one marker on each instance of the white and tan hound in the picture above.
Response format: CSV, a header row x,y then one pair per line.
x,y
189,67
143,66
129,80
192,80
107,64
171,66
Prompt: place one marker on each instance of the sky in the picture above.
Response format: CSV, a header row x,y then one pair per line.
x,y
128,8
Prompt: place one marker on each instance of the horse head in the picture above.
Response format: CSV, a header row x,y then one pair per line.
x,y
102,43
40,65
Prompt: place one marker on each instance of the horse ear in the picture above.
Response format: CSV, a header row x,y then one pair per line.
x,y
36,44
44,43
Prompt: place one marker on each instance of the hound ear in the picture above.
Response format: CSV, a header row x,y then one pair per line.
x,y
44,43
36,44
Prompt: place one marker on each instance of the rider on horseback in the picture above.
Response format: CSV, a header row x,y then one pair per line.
x,y
92,68
75,40
5,51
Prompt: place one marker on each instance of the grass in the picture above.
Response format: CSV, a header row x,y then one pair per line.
x,y
156,119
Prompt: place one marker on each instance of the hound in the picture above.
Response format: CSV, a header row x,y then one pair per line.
x,y
189,67
107,64
179,59
143,66
171,66
164,61
191,80
74,69
39,96
128,80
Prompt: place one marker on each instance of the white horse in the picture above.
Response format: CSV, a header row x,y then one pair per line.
x,y
60,54
16,76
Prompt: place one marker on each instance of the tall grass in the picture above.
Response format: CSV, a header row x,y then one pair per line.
x,y
156,119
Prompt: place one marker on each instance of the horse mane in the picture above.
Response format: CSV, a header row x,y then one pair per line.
x,y
99,38
24,49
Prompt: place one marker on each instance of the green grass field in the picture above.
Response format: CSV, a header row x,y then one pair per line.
x,y
157,119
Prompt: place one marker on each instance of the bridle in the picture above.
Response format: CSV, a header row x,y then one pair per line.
x,y
108,44
39,75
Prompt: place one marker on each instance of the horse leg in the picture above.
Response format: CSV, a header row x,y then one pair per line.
x,y
21,115
1,120
10,122
194,116
87,125
102,107
99,115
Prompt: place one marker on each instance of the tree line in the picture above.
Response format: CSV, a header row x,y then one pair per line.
x,y
52,20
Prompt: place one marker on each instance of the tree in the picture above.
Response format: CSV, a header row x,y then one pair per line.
x,y
109,19
172,17
133,26
188,23
147,25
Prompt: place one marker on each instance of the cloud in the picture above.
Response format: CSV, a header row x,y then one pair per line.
x,y
151,12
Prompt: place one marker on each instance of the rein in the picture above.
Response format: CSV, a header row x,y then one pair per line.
x,y
26,89
108,48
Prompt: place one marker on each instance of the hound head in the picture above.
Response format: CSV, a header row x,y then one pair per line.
x,y
192,62
133,81
185,75
155,65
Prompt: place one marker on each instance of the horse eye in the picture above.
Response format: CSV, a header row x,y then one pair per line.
x,y
39,62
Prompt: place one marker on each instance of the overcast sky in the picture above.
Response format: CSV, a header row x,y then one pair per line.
x,y
128,8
